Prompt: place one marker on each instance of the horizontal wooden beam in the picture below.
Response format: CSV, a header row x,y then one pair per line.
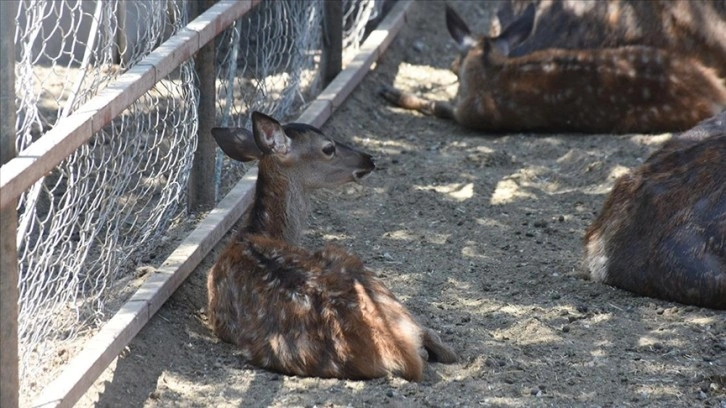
x,y
80,373
70,133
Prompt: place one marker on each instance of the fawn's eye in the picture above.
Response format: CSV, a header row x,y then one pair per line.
x,y
329,150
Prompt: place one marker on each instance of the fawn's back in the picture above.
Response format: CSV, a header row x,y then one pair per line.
x,y
662,229
693,28
623,89
299,312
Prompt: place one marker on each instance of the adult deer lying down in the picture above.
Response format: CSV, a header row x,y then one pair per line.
x,y
694,28
612,90
662,229
303,313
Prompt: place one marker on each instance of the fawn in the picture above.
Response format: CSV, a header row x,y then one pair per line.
x,y
662,230
613,90
694,28
296,312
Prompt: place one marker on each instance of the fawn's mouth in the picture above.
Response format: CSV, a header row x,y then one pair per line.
x,y
359,175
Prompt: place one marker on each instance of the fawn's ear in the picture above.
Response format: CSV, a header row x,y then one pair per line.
x,y
458,29
269,134
237,143
505,15
516,32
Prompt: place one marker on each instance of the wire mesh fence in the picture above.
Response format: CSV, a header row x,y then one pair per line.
x,y
357,15
83,227
88,230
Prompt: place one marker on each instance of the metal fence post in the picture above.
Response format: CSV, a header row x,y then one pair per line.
x,y
332,58
9,385
201,179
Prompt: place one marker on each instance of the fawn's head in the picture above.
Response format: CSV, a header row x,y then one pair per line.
x,y
297,151
489,48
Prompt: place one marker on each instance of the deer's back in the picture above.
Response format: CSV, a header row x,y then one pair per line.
x,y
662,230
696,28
626,89
311,314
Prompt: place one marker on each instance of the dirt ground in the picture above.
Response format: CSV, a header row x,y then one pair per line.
x,y
481,237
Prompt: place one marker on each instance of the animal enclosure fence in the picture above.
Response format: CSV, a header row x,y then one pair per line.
x,y
91,229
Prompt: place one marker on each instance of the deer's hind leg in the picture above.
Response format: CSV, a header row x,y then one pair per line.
x,y
406,100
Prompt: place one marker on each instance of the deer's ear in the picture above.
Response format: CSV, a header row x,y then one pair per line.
x,y
458,29
516,32
269,134
505,16
237,143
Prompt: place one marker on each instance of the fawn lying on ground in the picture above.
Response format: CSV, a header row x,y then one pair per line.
x,y
613,90
692,28
662,229
319,314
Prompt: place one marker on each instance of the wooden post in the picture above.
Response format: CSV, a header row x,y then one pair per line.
x,y
122,52
332,58
9,385
201,180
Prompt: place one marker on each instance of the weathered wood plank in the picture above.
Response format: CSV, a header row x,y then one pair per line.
x,y
96,355
317,113
102,349
9,292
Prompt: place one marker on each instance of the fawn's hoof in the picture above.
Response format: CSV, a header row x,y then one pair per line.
x,y
390,94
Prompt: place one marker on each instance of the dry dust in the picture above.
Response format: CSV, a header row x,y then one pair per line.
x,y
479,235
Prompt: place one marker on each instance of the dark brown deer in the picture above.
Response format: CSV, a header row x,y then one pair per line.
x,y
613,90
296,312
693,28
662,230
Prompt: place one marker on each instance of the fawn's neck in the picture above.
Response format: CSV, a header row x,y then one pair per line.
x,y
281,205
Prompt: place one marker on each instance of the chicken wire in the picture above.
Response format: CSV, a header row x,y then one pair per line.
x,y
83,228
87,230
356,17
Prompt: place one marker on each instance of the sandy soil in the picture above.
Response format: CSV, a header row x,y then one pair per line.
x,y
481,237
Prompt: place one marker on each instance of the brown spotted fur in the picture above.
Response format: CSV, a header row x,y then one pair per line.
x,y
693,28
297,312
633,88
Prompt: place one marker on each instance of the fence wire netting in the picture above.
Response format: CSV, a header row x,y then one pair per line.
x,y
89,231
84,227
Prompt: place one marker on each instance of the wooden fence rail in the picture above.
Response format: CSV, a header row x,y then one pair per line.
x,y
9,291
